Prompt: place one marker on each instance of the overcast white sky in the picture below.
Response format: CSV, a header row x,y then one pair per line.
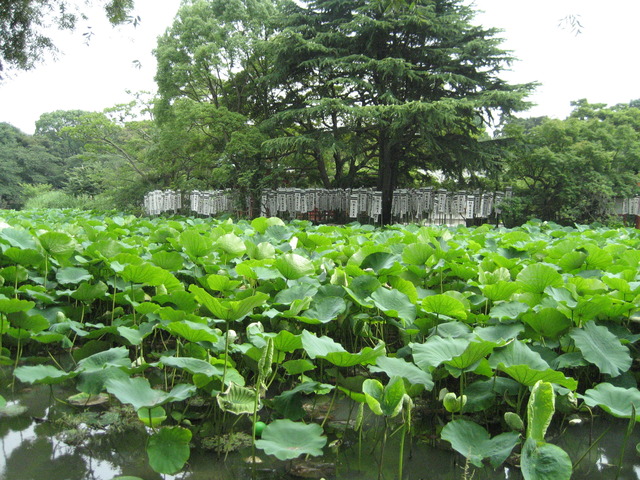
x,y
600,64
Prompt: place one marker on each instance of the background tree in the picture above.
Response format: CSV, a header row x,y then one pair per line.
x,y
569,171
404,84
116,153
25,160
22,23
212,100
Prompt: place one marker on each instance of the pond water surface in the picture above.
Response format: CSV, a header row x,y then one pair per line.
x,y
36,444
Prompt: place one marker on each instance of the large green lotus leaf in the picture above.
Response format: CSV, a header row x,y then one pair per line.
x,y
365,356
92,382
616,401
260,251
602,348
437,350
544,461
45,374
540,410
475,351
406,287
509,310
527,367
528,376
571,261
286,341
475,444
238,400
361,288
293,266
152,417
289,403
319,347
191,331
547,322
231,244
27,256
88,293
499,334
32,323
195,245
536,277
137,392
325,310
19,238
287,440
225,309
114,357
148,274
397,367
278,233
171,261
381,262
499,291
299,291
72,275
444,305
417,253
261,224
588,308
14,305
193,366
482,394
565,295
183,300
57,244
168,449
221,283
597,258
394,303
384,400
517,353
14,274
296,367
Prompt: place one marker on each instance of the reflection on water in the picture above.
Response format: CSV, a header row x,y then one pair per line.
x,y
32,449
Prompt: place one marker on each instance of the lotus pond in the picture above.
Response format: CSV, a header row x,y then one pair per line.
x,y
336,343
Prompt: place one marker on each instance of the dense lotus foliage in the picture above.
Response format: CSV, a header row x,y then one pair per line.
x,y
255,317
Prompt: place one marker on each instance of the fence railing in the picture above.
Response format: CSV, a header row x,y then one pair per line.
x,y
321,205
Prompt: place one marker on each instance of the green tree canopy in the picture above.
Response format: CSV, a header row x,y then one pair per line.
x,y
401,84
570,170
22,25
25,160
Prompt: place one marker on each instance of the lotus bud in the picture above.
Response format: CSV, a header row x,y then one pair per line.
x,y
514,421
442,393
452,403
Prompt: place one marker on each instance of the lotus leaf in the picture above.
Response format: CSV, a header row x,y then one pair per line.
x,y
543,461
602,348
238,400
168,449
474,442
616,401
397,367
137,392
45,374
444,305
394,303
287,440
293,266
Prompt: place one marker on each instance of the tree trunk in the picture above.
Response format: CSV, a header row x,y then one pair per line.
x,y
387,176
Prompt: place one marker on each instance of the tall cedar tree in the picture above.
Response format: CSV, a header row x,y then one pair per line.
x,y
411,84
